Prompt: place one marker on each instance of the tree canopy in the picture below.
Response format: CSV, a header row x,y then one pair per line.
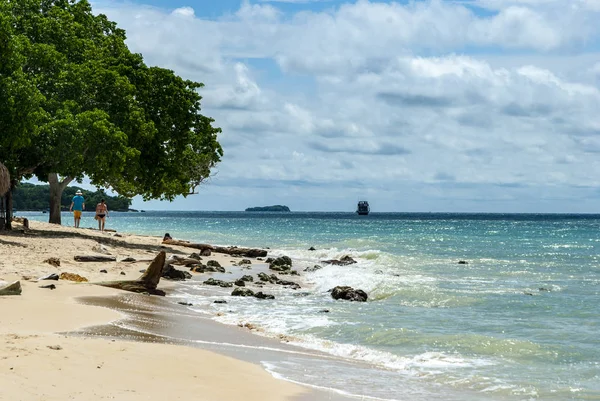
x,y
80,103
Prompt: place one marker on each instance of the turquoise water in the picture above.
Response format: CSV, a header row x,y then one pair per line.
x,y
520,321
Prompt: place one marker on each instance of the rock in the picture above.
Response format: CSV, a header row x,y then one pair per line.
x,y
280,268
290,284
280,261
312,248
245,262
205,252
240,283
52,276
123,273
262,295
53,261
264,277
130,259
242,292
49,286
174,274
213,263
349,294
247,278
195,256
324,311
463,262
313,269
344,261
11,289
220,301
185,303
220,283
103,271
72,277
118,235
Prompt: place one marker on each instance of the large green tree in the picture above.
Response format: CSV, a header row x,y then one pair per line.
x,y
106,115
20,104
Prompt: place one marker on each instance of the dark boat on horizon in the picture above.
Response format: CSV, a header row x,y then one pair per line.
x,y
363,208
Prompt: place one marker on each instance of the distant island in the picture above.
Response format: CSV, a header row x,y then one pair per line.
x,y
274,208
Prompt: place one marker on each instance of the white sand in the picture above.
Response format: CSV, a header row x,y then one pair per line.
x,y
38,364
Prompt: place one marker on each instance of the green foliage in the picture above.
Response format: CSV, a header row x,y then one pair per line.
x,y
35,197
79,103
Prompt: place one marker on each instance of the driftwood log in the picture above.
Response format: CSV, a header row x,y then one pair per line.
x,y
11,289
229,250
95,258
147,283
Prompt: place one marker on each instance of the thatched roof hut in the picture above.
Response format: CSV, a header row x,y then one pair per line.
x,y
4,180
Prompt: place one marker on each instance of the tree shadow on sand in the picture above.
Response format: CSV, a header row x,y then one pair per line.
x,y
63,234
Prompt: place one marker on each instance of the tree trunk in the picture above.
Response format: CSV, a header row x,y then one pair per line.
x,y
56,190
9,206
147,282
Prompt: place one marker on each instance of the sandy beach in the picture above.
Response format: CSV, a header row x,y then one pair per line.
x,y
44,355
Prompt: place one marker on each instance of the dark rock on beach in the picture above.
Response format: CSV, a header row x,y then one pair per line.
x,y
52,276
242,292
349,294
172,273
343,261
313,269
281,264
185,303
463,262
240,283
262,295
220,301
103,271
129,259
220,283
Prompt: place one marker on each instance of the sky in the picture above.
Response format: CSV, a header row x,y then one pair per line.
x,y
415,106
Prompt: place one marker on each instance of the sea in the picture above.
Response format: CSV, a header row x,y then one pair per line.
x,y
517,319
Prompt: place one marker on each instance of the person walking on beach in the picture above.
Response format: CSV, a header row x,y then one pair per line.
x,y
77,206
101,214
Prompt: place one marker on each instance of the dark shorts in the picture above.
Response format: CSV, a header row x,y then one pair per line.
x,y
100,216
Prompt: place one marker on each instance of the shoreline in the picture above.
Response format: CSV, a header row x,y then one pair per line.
x,y
51,355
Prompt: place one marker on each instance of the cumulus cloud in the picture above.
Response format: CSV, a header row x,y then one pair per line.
x,y
429,98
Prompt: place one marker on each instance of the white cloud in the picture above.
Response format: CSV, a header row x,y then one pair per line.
x,y
386,99
184,12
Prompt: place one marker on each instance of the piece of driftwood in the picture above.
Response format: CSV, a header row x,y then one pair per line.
x,y
188,244
230,250
148,281
11,289
95,258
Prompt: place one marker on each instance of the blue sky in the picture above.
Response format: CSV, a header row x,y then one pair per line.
x,y
473,105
